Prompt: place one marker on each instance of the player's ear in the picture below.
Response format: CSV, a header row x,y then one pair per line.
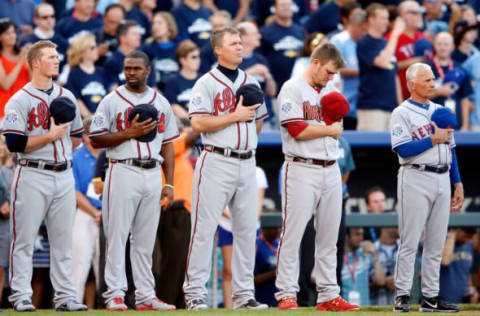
x,y
149,69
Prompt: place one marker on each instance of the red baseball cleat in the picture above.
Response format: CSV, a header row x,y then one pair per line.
x,y
338,305
116,304
287,303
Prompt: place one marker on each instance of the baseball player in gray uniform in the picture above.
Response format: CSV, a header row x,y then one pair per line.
x,y
311,181
133,187
428,165
225,173
43,184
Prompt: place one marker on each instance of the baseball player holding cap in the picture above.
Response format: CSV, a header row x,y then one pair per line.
x,y
137,145
225,173
311,181
421,135
43,186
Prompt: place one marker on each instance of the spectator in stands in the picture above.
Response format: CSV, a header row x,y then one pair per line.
x,y
471,67
311,41
218,20
148,8
465,36
346,42
81,20
266,263
361,268
452,86
161,50
435,20
44,20
107,36
238,9
192,20
457,259
327,17
20,12
85,233
386,248
253,62
282,41
128,37
87,82
377,95
178,90
405,52
6,164
14,73
376,203
262,11
132,12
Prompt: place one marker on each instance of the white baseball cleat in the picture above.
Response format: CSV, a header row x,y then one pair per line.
x,y
24,306
71,306
252,304
116,304
196,305
154,304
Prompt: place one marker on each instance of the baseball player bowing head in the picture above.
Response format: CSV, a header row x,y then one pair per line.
x,y
421,135
225,173
137,126
311,181
42,125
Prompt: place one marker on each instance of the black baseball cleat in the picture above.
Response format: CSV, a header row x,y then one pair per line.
x,y
252,304
402,304
437,305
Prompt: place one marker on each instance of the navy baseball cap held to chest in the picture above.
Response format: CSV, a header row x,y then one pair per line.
x,y
145,112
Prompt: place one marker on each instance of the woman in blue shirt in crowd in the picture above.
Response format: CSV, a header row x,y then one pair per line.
x,y
178,89
86,81
161,48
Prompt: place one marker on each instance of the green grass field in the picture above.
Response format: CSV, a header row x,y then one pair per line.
x,y
470,309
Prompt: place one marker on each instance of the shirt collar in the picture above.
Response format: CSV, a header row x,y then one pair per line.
x,y
420,105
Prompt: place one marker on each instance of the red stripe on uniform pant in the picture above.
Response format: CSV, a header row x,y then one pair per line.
x,y
196,217
14,231
63,150
284,217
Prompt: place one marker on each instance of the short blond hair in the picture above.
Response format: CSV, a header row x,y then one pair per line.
x,y
35,51
217,36
171,24
328,52
77,48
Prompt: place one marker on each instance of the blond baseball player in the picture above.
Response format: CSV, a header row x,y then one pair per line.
x,y
311,181
43,186
225,173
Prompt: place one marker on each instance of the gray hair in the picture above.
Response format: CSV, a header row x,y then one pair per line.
x,y
413,70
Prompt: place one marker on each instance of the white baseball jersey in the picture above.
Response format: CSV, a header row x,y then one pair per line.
x,y
28,113
214,94
300,102
112,116
411,121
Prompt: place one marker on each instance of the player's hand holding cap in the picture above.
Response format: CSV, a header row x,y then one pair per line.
x,y
145,111
252,94
62,109
455,75
334,107
423,48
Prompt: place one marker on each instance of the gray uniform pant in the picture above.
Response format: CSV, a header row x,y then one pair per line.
x,y
308,189
131,204
39,195
220,181
424,204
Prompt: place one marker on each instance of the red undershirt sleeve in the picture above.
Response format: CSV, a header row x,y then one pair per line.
x,y
295,128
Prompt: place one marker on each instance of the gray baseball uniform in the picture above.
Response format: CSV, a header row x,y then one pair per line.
x,y
131,196
424,198
221,180
307,188
39,194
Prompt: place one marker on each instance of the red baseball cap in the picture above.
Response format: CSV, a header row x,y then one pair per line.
x,y
334,107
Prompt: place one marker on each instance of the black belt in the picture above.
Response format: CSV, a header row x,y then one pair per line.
x,y
227,152
46,165
144,164
442,169
318,162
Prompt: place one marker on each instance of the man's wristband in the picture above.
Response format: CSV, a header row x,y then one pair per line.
x,y
169,186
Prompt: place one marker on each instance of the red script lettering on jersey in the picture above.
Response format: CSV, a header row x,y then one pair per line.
x,y
39,116
227,98
311,112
